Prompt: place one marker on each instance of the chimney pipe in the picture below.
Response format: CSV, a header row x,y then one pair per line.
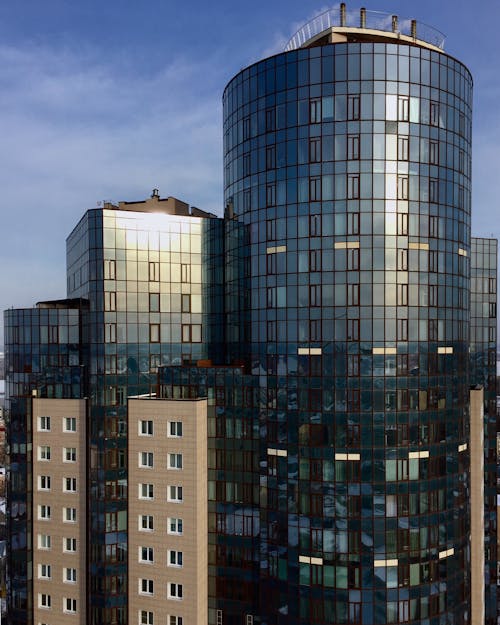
x,y
342,13
362,18
394,23
414,29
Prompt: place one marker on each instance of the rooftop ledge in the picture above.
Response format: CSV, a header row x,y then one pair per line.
x,y
337,25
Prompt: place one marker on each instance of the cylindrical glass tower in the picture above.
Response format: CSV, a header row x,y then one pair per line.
x,y
347,188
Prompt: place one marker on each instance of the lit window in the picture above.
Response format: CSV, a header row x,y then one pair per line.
x,y
70,515
146,554
145,428
175,461
70,424
146,522
44,452
175,494
44,424
175,429
174,591
70,575
70,454
146,491
44,482
146,587
174,526
69,484
44,601
69,605
174,558
69,545
44,571
146,459
44,512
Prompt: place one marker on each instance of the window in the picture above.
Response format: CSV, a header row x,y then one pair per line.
x,y
403,224
44,541
315,149
146,491
146,586
44,424
403,109
146,523
352,223
270,119
402,260
44,600
109,269
154,302
315,225
402,295
44,482
402,187
174,526
403,143
185,273
175,429
353,107
353,186
314,260
174,558
315,295
110,332
174,493
154,332
70,576
353,147
270,157
44,571
146,428
315,111
175,461
191,333
353,259
154,271
315,189
69,515
44,452
174,620
69,545
70,454
70,424
110,300
461,124
69,605
186,303
44,512
69,484
433,190
461,161
433,152
146,459
434,114
271,194
146,554
146,618
353,294
174,591
402,329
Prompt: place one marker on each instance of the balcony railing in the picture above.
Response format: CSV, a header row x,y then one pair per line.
x,y
373,20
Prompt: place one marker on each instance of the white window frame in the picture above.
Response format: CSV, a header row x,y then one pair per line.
x,y
69,454
44,512
175,461
146,427
175,493
175,429
146,491
175,558
70,575
146,617
44,482
44,601
69,424
146,587
69,485
44,424
44,542
44,571
69,605
178,522
150,555
173,619
146,523
69,515
69,547
44,453
146,459
175,591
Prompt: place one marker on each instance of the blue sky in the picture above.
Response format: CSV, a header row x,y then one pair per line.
x,y
106,100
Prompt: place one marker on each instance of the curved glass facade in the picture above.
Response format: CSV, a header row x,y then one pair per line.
x,y
347,184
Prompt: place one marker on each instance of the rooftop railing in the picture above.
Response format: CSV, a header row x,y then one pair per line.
x,y
373,20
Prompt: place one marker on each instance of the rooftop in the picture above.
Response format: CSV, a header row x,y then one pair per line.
x,y
338,24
